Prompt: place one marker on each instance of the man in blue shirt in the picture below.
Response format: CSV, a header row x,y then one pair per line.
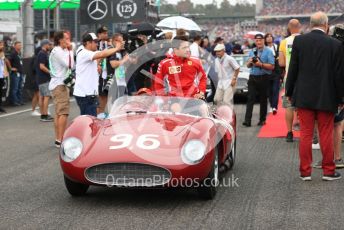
x,y
262,62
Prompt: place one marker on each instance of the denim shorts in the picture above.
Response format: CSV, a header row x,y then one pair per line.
x,y
88,105
44,90
286,103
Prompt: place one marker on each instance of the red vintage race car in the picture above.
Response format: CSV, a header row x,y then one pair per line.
x,y
150,141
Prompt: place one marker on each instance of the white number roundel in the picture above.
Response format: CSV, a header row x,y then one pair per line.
x,y
145,141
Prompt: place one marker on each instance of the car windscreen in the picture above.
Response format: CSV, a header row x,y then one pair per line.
x,y
241,59
159,104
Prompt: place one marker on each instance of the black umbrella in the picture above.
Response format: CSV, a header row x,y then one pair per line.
x,y
143,28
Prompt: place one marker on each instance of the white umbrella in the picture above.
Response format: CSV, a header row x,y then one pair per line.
x,y
179,22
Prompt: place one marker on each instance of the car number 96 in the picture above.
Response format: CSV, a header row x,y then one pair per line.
x,y
146,141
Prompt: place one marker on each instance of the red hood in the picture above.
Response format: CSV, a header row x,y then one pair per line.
x,y
168,132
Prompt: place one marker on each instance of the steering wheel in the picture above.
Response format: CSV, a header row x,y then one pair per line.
x,y
136,105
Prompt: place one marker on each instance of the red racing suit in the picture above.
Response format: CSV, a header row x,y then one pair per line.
x,y
183,77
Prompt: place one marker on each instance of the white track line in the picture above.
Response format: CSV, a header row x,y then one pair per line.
x,y
24,111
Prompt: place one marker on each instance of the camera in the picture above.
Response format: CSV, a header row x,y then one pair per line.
x,y
69,81
255,59
109,81
132,43
338,33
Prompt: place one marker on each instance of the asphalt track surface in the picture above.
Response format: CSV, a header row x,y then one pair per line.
x,y
270,194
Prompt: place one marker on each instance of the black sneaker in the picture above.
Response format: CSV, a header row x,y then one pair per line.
x,y
57,144
2,110
261,123
306,178
290,137
46,118
335,176
246,123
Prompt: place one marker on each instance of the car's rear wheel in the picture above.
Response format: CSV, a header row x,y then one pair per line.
x,y
74,188
208,188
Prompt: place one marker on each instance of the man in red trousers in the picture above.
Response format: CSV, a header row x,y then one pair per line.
x,y
315,85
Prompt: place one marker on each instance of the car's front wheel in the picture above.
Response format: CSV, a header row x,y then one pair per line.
x,y
232,156
74,188
208,188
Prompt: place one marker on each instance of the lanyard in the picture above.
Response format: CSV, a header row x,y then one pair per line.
x,y
69,61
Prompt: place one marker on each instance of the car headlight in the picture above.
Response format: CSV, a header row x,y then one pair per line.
x,y
193,152
71,149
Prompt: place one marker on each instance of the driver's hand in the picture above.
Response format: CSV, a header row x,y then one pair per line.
x,y
199,96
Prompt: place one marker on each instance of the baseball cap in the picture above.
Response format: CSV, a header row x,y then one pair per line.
x,y
89,37
219,47
258,36
102,29
45,42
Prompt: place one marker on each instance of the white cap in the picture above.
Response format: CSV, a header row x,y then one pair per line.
x,y
219,47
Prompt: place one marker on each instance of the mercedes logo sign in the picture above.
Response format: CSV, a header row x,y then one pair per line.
x,y
97,9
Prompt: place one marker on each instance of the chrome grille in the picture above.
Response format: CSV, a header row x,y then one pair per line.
x,y
127,174
242,82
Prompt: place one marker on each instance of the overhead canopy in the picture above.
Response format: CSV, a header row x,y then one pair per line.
x,y
39,4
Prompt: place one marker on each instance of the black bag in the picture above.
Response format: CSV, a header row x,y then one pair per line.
x,y
277,72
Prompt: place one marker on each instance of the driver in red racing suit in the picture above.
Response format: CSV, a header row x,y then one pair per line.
x,y
180,75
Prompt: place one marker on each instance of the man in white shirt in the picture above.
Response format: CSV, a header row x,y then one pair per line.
x,y
227,69
86,84
195,46
61,61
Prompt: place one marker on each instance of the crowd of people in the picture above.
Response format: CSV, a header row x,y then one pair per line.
x,y
300,7
235,32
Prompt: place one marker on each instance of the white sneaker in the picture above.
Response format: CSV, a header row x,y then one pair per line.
x,y
316,146
35,113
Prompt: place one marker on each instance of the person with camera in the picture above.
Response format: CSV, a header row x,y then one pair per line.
x,y
315,86
117,69
16,74
87,76
43,78
102,34
262,63
61,61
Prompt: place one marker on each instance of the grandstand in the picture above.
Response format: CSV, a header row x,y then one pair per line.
x,y
297,8
273,16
